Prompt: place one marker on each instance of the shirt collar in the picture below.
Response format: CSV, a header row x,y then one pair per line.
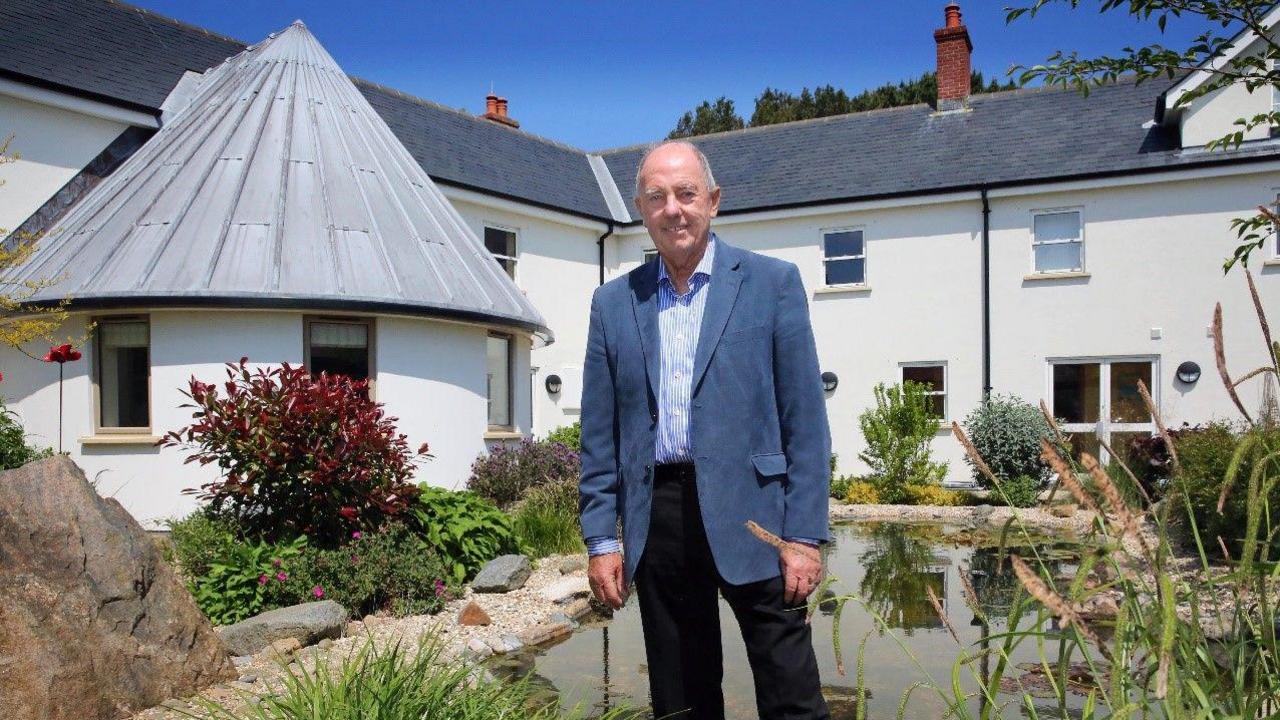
x,y
704,265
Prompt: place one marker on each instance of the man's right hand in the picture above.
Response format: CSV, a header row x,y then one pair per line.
x,y
605,574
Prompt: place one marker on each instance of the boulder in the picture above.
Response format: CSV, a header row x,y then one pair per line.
x,y
503,574
566,589
573,564
93,622
308,623
473,614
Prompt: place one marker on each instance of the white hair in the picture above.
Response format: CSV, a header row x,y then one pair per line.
x,y
707,177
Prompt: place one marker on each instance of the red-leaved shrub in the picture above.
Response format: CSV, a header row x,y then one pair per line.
x,y
300,455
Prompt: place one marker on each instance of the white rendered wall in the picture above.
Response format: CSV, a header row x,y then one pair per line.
x,y
54,145
557,270
431,375
1214,115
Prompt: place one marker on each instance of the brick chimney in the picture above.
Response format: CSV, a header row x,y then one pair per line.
x,y
954,49
495,109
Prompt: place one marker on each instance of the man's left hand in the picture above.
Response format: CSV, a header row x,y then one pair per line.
x,y
801,571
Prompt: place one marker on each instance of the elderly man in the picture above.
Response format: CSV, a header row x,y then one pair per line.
x,y
702,409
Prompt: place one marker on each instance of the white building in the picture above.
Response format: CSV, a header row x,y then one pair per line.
x,y
1035,241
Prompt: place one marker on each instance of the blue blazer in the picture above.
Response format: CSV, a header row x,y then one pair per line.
x,y
758,421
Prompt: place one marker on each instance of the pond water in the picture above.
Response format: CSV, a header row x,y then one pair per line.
x,y
602,665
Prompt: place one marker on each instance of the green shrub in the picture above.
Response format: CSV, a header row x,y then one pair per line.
x,y
546,520
505,473
196,541
240,578
898,432
391,569
298,454
860,492
933,495
1022,491
14,450
568,435
839,487
1006,431
1206,454
467,530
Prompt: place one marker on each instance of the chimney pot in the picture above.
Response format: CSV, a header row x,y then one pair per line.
x,y
502,107
954,61
490,104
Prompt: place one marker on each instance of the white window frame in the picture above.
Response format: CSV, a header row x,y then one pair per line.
x,y
515,259
1275,228
648,254
1104,427
370,339
511,366
946,383
1031,231
822,253
96,360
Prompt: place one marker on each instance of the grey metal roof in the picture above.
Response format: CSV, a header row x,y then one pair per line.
x,y
277,184
1012,137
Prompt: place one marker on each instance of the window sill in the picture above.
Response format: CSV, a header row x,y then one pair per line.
x,y
120,439
503,435
1055,276
1273,262
838,289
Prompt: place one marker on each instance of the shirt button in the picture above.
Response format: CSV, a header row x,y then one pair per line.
x,y
677,374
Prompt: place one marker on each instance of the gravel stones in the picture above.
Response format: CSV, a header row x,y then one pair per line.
x,y
573,564
503,574
307,623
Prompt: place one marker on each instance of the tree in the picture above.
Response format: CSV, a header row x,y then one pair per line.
x,y
1253,71
20,322
708,118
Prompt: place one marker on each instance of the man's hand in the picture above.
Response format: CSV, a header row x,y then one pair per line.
x,y
604,572
801,572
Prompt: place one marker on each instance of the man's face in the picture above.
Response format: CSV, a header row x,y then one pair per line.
x,y
675,202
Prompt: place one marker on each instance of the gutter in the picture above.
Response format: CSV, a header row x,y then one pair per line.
x,y
600,248
986,295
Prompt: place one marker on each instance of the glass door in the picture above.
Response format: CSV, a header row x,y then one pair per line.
x,y
1098,400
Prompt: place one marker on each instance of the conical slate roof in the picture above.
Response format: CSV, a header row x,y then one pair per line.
x,y
277,186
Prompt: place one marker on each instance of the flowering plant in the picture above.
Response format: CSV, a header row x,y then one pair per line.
x,y
61,354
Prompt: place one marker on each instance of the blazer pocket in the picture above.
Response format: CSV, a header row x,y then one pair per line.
x,y
750,333
770,464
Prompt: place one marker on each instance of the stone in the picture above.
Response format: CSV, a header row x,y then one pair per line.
x,y
249,679
545,633
578,608
573,564
510,643
1064,510
473,614
241,660
94,623
325,644
308,623
503,574
284,648
566,589
479,648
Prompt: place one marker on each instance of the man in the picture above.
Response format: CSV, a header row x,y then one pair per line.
x,y
702,409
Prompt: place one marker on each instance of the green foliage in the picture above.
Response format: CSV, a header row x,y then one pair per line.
x,y
392,683
568,435
392,569
707,118
546,520
778,106
839,486
898,432
229,578
1211,454
1022,491
14,450
1256,72
1006,430
860,492
504,474
933,495
466,529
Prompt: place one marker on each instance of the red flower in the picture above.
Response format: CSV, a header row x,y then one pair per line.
x,y
62,354
348,512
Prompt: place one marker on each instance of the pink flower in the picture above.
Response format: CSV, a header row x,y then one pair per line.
x,y
355,558
317,591
262,579
275,562
439,587
356,534
282,576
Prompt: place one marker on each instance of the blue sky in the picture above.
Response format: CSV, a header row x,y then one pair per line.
x,y
605,74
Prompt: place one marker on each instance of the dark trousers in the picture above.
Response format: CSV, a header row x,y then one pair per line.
x,y
676,582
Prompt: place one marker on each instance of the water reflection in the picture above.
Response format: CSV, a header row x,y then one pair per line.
x,y
891,567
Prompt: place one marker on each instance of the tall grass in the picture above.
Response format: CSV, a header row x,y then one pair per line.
x,y
1191,637
546,520
391,683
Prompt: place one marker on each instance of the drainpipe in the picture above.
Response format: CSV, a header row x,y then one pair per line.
x,y
986,295
600,247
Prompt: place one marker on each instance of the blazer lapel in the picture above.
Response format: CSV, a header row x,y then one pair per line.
x,y
726,278
644,302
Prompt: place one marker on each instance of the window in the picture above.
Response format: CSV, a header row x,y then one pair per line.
x,y
1275,227
339,347
124,374
501,242
650,253
499,380
844,256
1098,401
933,375
1057,242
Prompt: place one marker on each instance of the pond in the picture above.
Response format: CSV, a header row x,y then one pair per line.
x,y
602,665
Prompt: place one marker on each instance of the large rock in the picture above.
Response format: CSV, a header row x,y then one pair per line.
x,y
503,574
93,622
307,623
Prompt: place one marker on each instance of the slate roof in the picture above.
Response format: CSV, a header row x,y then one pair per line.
x,y
278,185
106,49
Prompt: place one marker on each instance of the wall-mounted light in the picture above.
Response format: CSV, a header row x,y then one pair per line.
x,y
830,381
1189,372
553,384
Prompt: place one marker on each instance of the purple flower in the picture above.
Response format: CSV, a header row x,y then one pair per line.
x,y
439,587
282,576
275,562
355,558
317,591
262,579
356,534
